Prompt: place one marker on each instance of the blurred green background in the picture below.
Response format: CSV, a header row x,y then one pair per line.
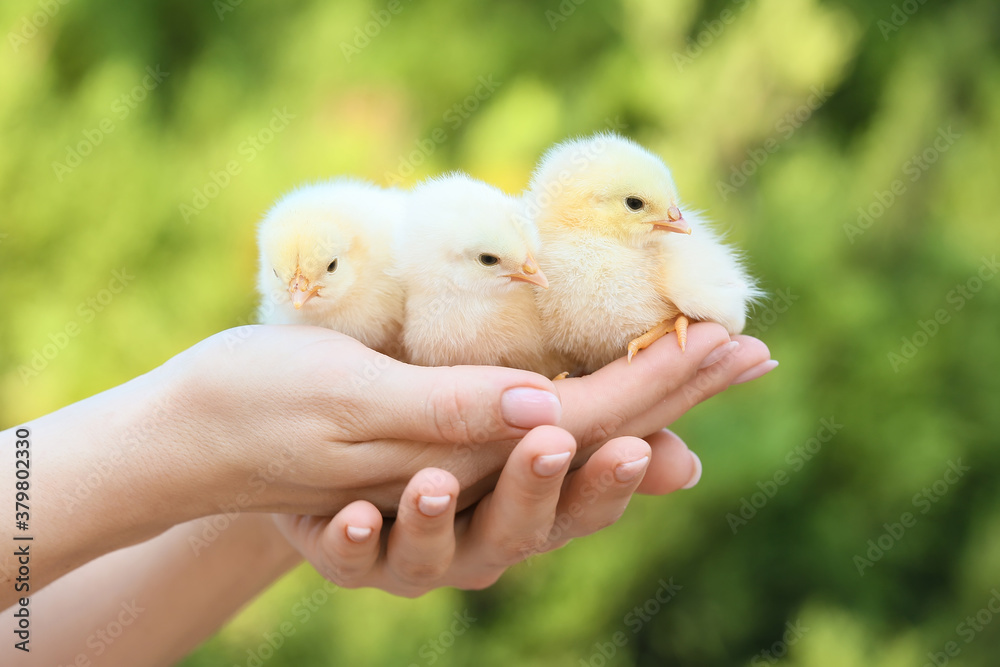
x,y
852,149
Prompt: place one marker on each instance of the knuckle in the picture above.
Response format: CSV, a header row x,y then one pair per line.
x,y
451,412
339,575
515,550
605,427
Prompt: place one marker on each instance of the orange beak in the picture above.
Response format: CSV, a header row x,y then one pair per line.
x,y
530,273
674,223
299,290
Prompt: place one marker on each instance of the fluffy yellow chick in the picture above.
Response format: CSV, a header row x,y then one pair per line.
x,y
626,266
467,256
324,254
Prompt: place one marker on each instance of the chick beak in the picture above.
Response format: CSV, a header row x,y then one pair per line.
x,y
530,273
674,223
298,289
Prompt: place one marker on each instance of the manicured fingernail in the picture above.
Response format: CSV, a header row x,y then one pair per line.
x,y
550,464
626,472
696,476
719,353
358,534
762,368
433,505
524,407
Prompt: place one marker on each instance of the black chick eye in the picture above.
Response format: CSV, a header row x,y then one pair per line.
x,y
332,267
634,203
488,260
276,274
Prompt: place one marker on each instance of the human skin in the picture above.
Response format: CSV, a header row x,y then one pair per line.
x,y
295,420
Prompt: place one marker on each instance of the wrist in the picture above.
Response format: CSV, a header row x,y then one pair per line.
x,y
135,458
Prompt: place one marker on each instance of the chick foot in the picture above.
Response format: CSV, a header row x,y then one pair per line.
x,y
680,325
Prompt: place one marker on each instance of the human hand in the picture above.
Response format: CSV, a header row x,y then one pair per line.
x,y
536,507
306,420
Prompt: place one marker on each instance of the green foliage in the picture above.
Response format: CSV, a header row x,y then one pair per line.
x,y
786,120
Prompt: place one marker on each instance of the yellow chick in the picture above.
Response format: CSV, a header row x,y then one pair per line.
x,y
467,255
324,254
626,266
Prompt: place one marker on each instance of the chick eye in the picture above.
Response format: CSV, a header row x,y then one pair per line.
x,y
634,203
276,274
332,267
488,260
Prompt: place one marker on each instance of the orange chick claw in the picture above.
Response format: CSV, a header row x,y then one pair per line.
x,y
648,338
561,376
681,324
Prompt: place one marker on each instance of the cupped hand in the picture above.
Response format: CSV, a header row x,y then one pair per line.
x,y
537,506
305,420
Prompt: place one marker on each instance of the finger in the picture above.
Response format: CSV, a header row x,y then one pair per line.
x,y
349,544
672,466
460,404
707,382
595,407
596,495
422,541
514,521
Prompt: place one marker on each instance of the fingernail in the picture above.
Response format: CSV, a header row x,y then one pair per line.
x,y
433,505
762,368
524,407
696,476
626,472
358,534
719,353
550,464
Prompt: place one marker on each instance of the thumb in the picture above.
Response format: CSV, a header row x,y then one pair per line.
x,y
452,404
